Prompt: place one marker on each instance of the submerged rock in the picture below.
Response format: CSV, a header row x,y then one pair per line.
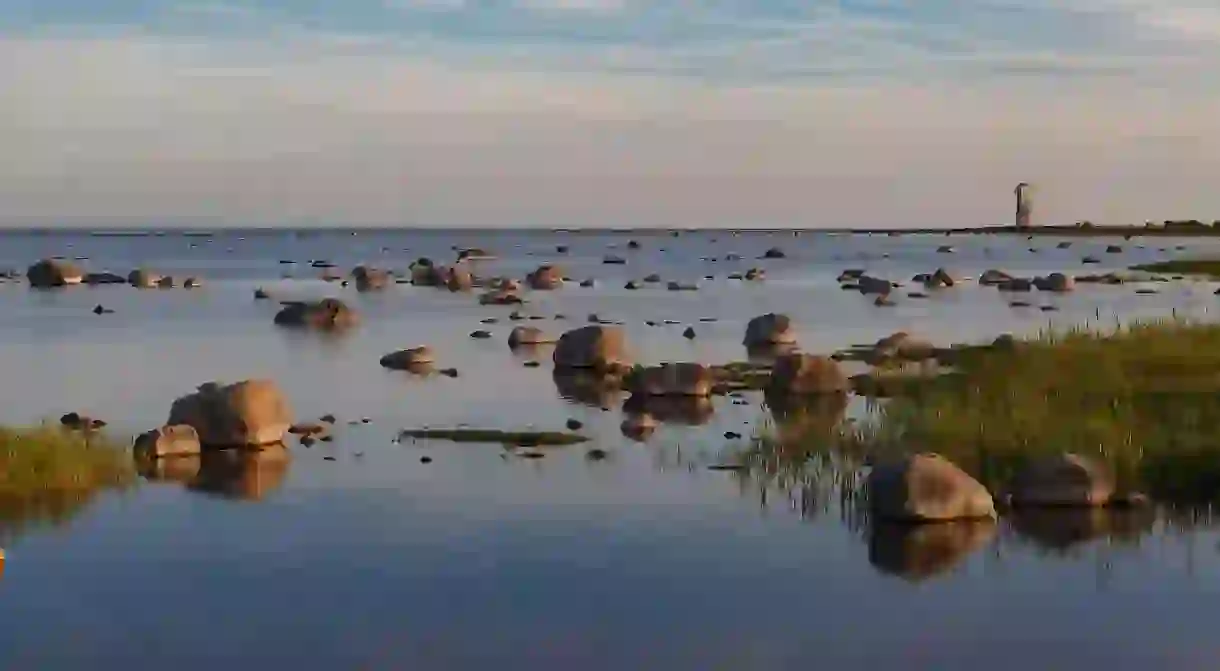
x,y
409,359
326,314
168,441
926,488
247,413
51,273
769,329
1062,480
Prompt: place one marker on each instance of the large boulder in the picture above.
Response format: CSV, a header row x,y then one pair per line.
x,y
1056,282
457,278
926,488
672,379
597,347
1062,480
328,313
424,273
49,273
769,329
807,374
142,278
370,279
245,414
168,441
545,278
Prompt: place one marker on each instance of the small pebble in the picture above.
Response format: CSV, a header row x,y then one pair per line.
x,y
328,459
596,454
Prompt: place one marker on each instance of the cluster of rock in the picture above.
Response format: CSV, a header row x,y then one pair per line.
x,y
247,414
56,273
922,488
1054,282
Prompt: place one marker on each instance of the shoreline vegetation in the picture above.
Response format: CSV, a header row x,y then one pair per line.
x,y
48,474
1199,267
1144,399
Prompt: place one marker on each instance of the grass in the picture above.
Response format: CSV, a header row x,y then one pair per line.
x,y
494,436
1145,398
1206,267
48,474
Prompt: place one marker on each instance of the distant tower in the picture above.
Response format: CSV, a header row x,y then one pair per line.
x,y
1025,204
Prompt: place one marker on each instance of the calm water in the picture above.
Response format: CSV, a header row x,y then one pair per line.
x,y
644,560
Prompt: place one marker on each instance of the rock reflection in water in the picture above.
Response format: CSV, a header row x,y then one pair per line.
x,y
238,474
1059,530
811,419
587,388
919,552
767,354
686,410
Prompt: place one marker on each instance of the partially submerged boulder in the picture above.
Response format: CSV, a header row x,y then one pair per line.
x,y
326,314
500,297
926,488
769,329
528,335
408,359
872,285
250,413
97,279
672,379
1062,480
545,278
597,347
142,278
1055,282
457,278
994,277
171,440
807,374
50,273
370,279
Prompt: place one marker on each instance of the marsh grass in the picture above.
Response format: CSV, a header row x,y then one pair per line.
x,y
48,474
1145,398
1205,267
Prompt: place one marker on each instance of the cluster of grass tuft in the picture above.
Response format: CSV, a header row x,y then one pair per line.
x,y
1206,267
1146,398
47,474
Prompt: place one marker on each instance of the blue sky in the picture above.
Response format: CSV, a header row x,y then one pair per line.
x,y
568,112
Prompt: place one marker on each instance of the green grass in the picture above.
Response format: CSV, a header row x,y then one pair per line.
x,y
1145,398
1206,267
48,474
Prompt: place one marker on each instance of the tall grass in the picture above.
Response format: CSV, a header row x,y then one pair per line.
x,y
1206,267
48,474
1145,398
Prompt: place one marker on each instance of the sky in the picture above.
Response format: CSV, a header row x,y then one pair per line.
x,y
857,113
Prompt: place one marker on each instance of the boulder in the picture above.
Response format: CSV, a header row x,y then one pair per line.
x,y
902,345
993,278
774,253
370,279
1016,285
191,283
166,282
528,335
1062,480
926,488
408,358
807,374
873,285
545,278
940,278
672,379
850,275
597,347
425,274
457,278
142,278
328,313
177,440
245,414
769,329
96,279
1057,282
500,297
49,273
754,275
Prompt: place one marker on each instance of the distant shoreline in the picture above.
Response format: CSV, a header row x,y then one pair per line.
x,y
1176,229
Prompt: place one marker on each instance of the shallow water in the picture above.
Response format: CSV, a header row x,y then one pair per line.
x,y
646,559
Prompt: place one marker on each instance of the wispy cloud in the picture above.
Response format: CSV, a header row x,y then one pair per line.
x,y
609,111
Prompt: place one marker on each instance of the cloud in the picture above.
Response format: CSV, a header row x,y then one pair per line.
x,y
722,112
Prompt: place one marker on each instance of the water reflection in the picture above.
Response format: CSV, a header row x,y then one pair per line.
x,y
237,474
685,410
767,354
810,419
920,552
1060,530
587,388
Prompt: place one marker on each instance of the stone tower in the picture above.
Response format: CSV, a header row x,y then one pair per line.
x,y
1025,204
